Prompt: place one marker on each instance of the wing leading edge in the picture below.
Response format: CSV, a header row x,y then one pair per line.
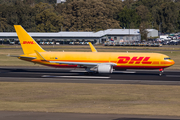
x,y
84,64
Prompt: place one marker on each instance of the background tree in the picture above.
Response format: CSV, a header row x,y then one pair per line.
x,y
18,13
46,19
143,30
89,15
3,24
128,18
113,7
169,16
129,3
144,13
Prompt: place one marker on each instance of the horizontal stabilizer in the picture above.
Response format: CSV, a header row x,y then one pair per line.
x,y
27,57
21,56
12,55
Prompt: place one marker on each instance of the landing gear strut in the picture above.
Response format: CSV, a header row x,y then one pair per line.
x,y
161,72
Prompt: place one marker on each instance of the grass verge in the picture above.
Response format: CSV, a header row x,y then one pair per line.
x,y
90,98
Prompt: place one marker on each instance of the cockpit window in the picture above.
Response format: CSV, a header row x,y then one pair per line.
x,y
167,58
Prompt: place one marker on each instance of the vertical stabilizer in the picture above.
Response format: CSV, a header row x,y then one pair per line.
x,y
28,44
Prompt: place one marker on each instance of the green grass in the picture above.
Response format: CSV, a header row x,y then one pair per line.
x,y
90,98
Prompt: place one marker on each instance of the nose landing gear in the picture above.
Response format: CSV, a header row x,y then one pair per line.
x,y
161,72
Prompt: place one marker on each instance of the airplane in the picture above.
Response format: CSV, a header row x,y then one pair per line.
x,y
97,62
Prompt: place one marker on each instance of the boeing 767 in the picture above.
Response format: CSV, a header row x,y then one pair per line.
x,y
100,62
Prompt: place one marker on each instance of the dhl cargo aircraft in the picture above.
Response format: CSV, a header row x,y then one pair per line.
x,y
100,62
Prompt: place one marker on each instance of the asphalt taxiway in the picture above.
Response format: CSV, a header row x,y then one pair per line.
x,y
44,74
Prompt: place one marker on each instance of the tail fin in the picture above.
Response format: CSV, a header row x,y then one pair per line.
x,y
28,44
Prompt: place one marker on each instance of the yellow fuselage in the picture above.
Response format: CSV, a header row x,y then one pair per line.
x,y
123,60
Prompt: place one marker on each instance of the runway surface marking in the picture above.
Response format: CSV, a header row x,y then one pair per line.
x,y
76,77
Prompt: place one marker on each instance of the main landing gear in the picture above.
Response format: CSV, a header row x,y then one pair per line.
x,y
161,72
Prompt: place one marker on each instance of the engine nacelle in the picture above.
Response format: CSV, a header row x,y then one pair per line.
x,y
104,68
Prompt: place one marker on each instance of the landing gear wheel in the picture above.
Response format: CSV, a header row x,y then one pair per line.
x,y
161,72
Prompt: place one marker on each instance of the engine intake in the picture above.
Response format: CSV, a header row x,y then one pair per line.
x,y
104,68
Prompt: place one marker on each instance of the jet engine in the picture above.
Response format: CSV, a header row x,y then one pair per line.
x,y
103,68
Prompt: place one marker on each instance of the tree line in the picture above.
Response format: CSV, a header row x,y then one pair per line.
x,y
90,15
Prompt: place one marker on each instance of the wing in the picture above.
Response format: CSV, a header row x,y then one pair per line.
x,y
82,64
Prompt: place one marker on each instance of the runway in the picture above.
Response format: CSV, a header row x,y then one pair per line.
x,y
43,74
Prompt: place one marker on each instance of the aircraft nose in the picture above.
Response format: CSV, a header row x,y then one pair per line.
x,y
172,62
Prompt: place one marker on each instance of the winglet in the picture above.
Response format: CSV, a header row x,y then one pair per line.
x,y
93,49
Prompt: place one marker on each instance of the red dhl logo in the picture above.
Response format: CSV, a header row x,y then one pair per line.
x,y
29,42
134,60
